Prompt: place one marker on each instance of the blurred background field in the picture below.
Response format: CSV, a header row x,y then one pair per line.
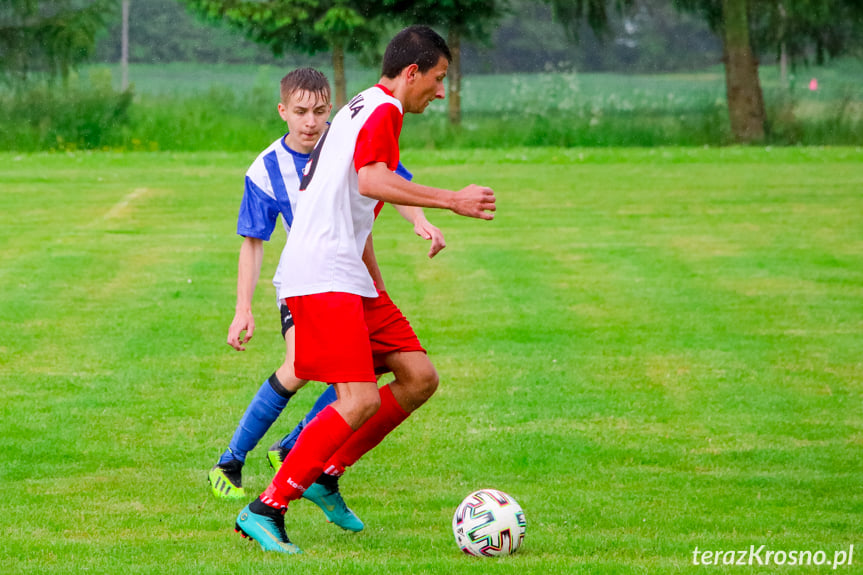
x,y
197,107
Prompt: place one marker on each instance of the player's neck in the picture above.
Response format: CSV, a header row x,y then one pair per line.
x,y
395,86
294,147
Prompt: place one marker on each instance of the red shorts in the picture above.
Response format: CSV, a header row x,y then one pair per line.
x,y
343,337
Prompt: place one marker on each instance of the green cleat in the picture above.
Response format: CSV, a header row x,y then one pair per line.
x,y
331,503
268,531
226,480
276,456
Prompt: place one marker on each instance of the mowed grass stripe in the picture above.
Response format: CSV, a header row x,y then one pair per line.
x,y
650,349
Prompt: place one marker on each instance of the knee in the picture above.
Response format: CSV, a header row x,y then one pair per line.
x,y
363,406
424,383
285,375
369,405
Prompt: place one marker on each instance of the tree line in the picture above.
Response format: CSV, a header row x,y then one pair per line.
x,y
54,36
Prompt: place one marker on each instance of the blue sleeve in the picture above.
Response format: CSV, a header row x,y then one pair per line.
x,y
403,172
258,213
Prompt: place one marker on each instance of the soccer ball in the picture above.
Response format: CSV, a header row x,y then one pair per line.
x,y
487,523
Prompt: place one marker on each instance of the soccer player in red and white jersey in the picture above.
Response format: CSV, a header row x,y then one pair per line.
x,y
272,187
344,327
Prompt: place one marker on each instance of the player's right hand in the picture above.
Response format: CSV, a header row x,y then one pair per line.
x,y
474,202
243,322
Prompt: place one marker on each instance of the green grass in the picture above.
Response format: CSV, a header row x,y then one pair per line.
x,y
652,350
192,107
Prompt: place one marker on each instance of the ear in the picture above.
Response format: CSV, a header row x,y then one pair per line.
x,y
411,72
283,111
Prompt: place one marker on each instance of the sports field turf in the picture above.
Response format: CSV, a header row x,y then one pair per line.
x,y
652,350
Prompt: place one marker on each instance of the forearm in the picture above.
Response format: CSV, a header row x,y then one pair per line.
x,y
378,182
248,271
410,213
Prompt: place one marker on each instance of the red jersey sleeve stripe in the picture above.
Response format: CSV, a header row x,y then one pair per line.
x,y
378,140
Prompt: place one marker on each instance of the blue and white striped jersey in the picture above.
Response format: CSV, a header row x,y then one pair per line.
x,y
272,185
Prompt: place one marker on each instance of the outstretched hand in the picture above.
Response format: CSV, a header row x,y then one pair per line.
x,y
426,230
474,202
243,322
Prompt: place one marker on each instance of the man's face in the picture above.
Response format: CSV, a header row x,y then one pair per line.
x,y
306,114
424,88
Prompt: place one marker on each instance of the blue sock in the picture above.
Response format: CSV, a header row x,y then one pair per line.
x,y
326,398
264,409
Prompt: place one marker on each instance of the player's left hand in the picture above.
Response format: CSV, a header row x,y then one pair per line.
x,y
426,230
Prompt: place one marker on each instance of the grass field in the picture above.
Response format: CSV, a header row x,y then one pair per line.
x,y
652,350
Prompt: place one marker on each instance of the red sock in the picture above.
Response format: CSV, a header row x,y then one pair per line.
x,y
317,443
388,417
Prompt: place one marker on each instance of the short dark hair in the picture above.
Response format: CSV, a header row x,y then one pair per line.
x,y
418,45
305,79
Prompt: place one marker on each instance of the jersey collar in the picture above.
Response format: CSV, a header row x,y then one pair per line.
x,y
385,89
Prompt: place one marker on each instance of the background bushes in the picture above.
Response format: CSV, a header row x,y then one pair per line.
x,y
195,107
78,113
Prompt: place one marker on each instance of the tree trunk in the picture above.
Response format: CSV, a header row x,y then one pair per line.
x,y
454,76
124,47
783,47
339,75
783,66
745,100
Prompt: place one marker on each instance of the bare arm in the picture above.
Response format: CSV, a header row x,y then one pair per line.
x,y
378,182
248,271
422,227
371,262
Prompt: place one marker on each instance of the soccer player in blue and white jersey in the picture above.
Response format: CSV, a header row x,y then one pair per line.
x,y
272,184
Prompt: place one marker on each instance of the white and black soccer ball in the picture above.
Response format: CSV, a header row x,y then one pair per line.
x,y
487,523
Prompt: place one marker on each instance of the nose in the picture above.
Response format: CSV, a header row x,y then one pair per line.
x,y
441,92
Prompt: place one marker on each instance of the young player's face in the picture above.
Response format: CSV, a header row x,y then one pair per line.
x,y
427,87
306,114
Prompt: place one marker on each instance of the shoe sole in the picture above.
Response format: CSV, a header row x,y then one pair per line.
x,y
244,535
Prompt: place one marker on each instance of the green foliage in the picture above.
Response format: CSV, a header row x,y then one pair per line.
x,y
652,350
472,19
571,13
526,39
289,25
79,113
163,31
810,30
49,37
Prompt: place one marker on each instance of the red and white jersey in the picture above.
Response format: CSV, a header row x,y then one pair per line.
x,y
332,220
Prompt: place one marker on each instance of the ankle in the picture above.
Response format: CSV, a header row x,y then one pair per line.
x,y
260,508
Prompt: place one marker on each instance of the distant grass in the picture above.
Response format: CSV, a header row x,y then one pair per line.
x,y
652,350
190,107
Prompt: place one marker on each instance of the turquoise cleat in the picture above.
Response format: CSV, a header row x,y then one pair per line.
x,y
331,503
268,531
